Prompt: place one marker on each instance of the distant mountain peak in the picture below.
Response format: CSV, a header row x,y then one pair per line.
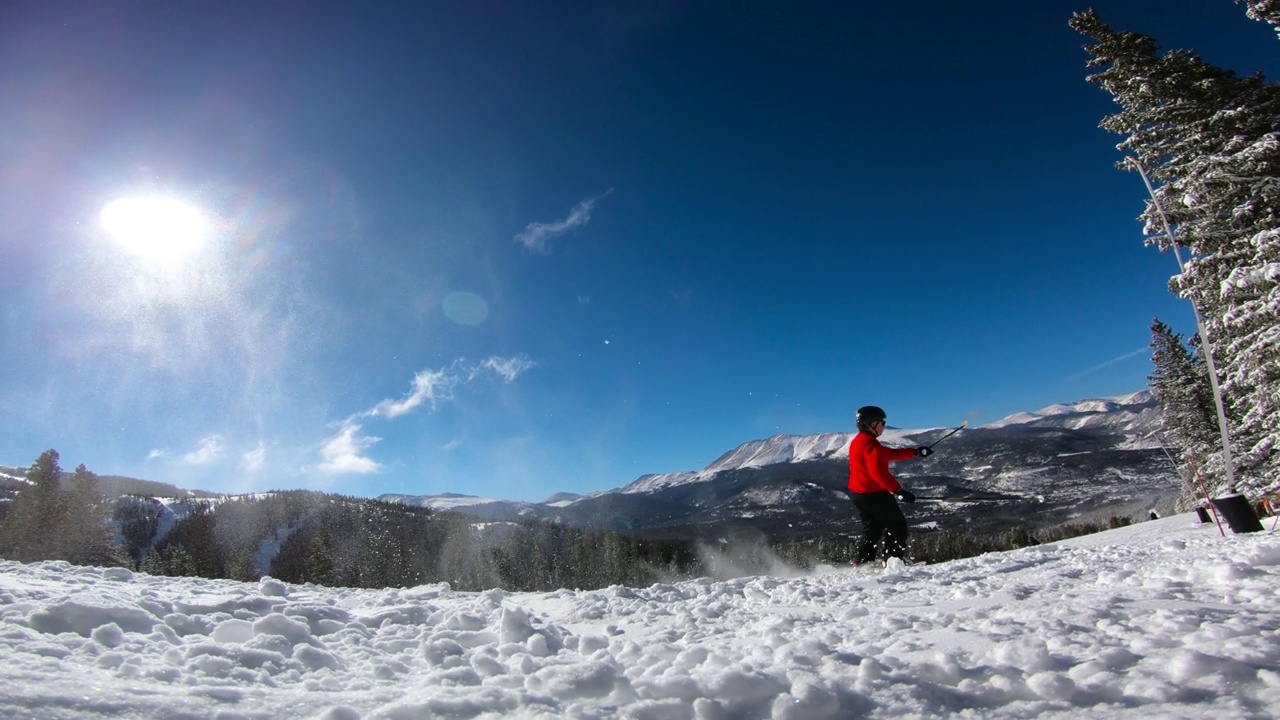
x,y
1082,413
1120,412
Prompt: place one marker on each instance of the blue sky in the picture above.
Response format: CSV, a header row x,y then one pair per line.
x,y
511,249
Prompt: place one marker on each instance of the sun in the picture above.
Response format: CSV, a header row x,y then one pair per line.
x,y
156,227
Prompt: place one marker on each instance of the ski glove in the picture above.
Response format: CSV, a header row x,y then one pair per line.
x,y
906,496
924,451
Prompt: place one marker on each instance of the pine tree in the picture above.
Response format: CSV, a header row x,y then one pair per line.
x,y
29,532
1233,196
173,560
191,547
1189,420
1266,10
1258,294
318,565
1212,138
86,538
138,519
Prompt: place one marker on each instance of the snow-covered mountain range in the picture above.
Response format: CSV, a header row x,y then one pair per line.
x,y
1088,458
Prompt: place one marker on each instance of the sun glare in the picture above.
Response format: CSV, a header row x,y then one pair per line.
x,y
155,227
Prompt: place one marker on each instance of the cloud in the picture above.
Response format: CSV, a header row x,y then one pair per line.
x,y
155,454
536,234
508,368
211,448
434,386
254,460
343,453
1112,361
428,386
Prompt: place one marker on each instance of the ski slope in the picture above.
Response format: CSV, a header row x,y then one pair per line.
x,y
1167,618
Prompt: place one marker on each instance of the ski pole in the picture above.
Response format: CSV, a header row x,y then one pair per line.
x,y
963,499
953,432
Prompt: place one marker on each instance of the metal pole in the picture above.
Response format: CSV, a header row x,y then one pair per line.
x,y
1204,334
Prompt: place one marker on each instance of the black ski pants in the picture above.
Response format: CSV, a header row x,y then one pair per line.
x,y
880,516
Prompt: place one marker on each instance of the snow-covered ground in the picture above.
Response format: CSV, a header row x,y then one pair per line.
x,y
1162,619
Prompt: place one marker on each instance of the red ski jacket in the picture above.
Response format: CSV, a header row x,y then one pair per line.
x,y
869,464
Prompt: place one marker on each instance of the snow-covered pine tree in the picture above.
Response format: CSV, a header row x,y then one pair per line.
x,y
1210,137
1188,419
1254,291
1250,297
1266,10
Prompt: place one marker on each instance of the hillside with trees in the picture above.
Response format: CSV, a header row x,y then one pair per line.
x,y
304,536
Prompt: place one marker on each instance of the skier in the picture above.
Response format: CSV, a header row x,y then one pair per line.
x,y
875,489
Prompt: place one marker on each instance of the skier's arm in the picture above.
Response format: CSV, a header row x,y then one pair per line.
x,y
901,453
882,456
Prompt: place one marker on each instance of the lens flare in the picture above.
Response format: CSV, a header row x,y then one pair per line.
x,y
465,308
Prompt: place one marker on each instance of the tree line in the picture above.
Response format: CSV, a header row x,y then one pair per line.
x,y
304,536
1210,141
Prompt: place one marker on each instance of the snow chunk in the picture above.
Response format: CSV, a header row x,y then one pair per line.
x,y
286,627
271,587
578,680
81,618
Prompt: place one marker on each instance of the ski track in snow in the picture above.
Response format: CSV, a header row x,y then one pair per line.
x,y
1161,619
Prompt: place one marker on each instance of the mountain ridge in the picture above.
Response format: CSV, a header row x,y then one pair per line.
x,y
1062,462
1066,459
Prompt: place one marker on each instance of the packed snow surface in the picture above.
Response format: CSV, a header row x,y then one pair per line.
x,y
1167,618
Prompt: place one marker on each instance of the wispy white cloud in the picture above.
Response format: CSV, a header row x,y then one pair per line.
x,y
210,449
434,386
536,234
508,368
1112,361
254,460
429,386
343,453
155,454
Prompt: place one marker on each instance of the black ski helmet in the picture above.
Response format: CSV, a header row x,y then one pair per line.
x,y
869,415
